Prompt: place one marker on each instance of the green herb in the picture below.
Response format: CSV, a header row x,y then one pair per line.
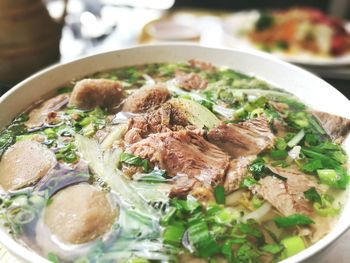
x,y
312,195
298,120
272,248
134,160
173,234
293,220
201,240
258,167
247,182
168,216
312,166
219,193
247,253
257,202
311,139
280,144
155,176
189,205
278,154
67,153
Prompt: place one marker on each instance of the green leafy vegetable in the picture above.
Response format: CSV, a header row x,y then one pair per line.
x,y
312,166
219,193
155,176
280,144
247,182
278,154
292,220
131,159
312,195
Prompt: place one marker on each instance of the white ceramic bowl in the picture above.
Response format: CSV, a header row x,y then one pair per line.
x,y
309,88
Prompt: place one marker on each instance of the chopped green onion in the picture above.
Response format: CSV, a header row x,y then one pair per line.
x,y
173,234
20,200
292,220
278,154
257,202
292,245
328,177
22,215
219,193
168,216
296,139
201,240
272,248
325,207
189,205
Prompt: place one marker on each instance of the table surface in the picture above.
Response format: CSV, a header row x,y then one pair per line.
x,y
126,34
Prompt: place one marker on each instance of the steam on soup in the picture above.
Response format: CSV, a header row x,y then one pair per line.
x,y
175,163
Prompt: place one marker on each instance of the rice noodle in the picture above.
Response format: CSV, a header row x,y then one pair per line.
x,y
259,214
233,198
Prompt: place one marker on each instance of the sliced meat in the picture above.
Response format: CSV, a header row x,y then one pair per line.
x,y
42,114
236,172
287,196
246,138
79,214
184,153
190,81
336,127
201,65
167,118
90,93
282,108
25,163
146,98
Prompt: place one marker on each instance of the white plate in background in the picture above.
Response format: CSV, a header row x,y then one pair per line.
x,y
236,24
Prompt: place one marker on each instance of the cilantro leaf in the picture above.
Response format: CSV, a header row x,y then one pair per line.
x,y
292,220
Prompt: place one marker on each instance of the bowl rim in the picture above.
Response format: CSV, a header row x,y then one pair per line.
x,y
20,251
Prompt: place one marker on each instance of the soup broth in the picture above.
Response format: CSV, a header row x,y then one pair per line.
x,y
173,162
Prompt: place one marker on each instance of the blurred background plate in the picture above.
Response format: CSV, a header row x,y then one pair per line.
x,y
236,25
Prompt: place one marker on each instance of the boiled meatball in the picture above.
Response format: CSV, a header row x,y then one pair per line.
x,y
146,98
25,163
90,93
79,214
